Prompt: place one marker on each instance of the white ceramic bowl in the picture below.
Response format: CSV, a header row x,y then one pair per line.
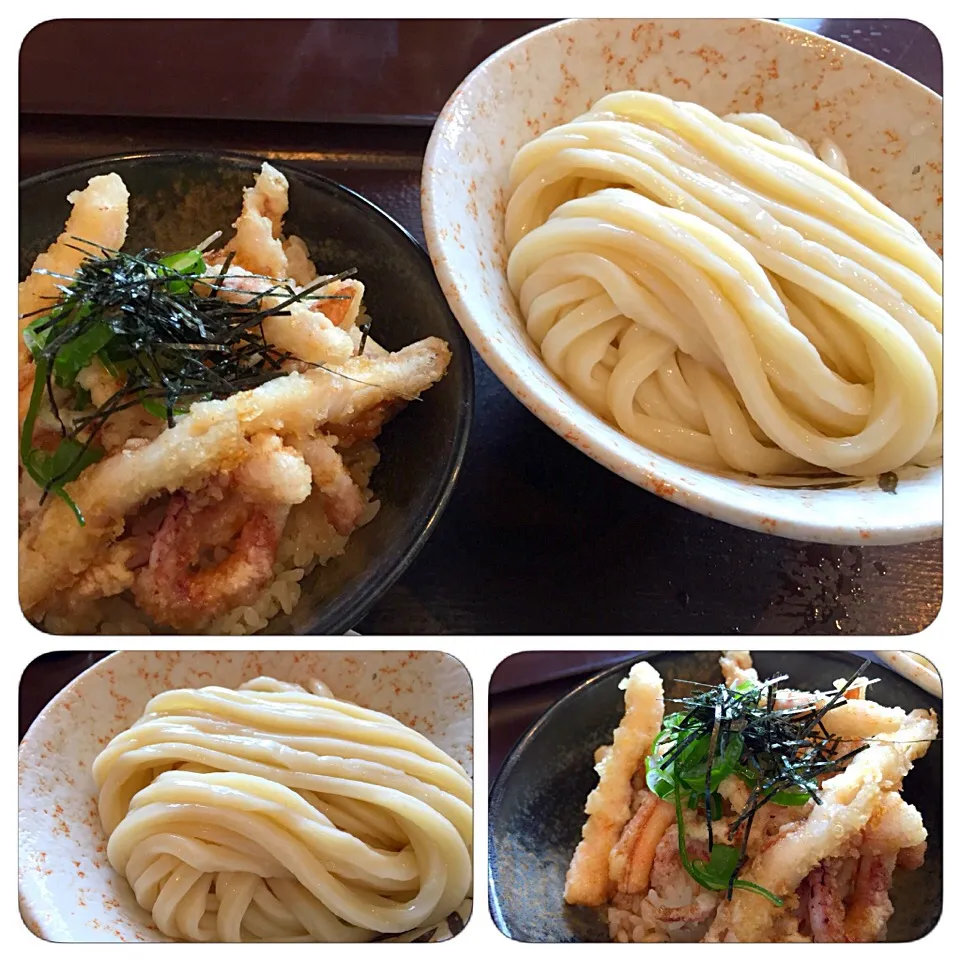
x,y
68,890
888,125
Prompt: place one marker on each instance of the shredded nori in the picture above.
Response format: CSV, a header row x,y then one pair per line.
x,y
161,327
785,751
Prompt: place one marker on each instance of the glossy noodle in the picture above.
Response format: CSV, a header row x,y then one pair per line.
x,y
726,296
276,813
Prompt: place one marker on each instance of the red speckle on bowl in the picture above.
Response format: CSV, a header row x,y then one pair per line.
x,y
661,488
710,55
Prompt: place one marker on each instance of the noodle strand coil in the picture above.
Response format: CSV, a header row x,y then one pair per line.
x,y
724,295
276,813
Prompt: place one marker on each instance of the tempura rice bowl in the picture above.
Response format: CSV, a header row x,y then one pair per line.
x,y
173,198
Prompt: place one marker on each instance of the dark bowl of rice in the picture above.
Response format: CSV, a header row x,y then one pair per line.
x,y
176,199
537,800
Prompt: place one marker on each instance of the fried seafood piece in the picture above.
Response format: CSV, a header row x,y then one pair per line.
x,y
608,806
257,245
55,549
110,575
912,858
338,396
210,439
274,472
861,719
825,898
262,255
343,500
176,590
850,800
858,718
308,334
674,905
99,382
633,854
849,898
367,426
870,907
300,268
342,311
99,215
895,836
133,423
370,347
737,667
305,330
897,827
735,792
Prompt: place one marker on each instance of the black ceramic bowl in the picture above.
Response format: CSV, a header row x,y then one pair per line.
x,y
177,199
536,805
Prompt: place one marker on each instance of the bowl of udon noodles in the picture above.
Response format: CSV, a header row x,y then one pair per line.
x,y
708,254
243,399
250,797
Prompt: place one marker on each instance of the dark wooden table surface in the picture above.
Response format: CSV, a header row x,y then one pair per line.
x,y
517,550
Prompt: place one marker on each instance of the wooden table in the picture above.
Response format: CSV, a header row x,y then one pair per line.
x,y
537,539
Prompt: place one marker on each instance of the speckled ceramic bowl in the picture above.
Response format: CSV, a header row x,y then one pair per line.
x,y
68,890
888,125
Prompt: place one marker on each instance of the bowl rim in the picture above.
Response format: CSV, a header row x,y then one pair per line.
x,y
515,754
598,444
512,760
336,620
106,662
769,21
54,700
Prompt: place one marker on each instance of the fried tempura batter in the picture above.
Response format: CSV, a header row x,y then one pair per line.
x,y
99,215
608,806
850,800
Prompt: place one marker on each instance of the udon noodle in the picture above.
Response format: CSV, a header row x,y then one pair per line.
x,y
724,295
277,813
